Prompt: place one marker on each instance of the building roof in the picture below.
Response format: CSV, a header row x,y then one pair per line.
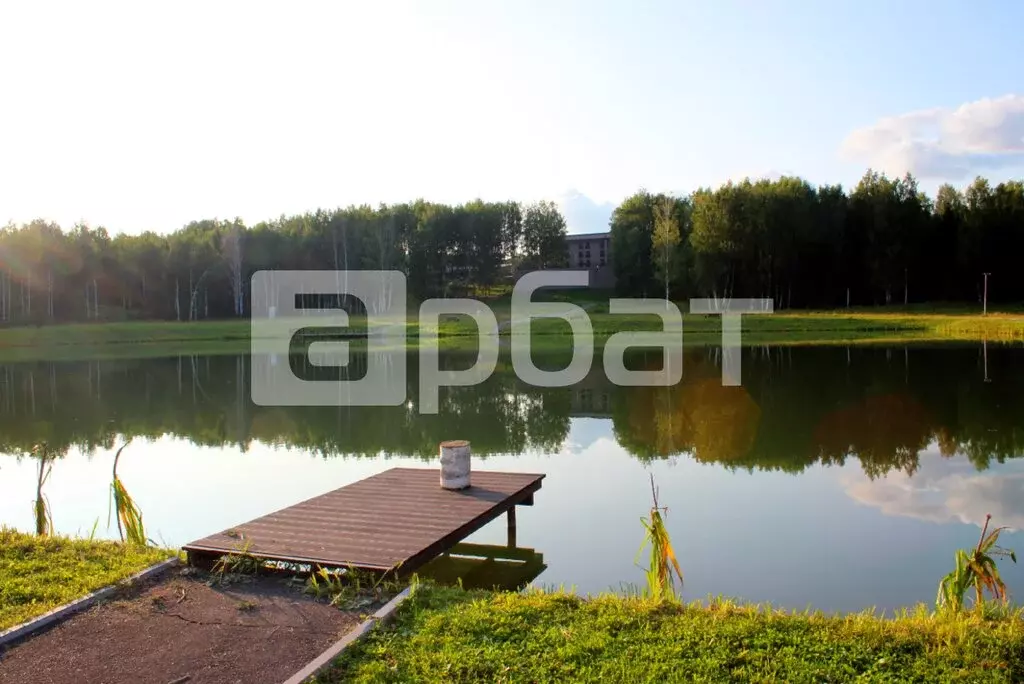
x,y
588,236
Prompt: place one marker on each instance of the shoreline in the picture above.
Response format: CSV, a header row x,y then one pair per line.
x,y
443,632
457,635
142,339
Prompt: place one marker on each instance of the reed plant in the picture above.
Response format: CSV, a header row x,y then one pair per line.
x,y
41,507
975,568
663,570
129,515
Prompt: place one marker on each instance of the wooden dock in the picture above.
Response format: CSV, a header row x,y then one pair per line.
x,y
394,521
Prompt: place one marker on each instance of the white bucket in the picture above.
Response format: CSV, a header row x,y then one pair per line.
x,y
455,464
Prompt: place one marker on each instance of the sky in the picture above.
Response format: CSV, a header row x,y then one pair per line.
x,y
145,116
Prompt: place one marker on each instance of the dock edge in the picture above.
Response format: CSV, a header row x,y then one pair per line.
x,y
384,615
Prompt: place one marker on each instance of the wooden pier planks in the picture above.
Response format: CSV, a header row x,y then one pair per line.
x,y
399,518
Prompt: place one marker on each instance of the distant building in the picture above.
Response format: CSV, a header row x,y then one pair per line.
x,y
593,252
588,403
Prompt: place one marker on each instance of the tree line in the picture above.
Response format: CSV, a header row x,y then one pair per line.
x,y
203,270
884,242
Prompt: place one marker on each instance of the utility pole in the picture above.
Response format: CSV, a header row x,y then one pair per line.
x,y
984,296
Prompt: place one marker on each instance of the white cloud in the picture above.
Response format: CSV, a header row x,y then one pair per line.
x,y
945,490
583,214
943,142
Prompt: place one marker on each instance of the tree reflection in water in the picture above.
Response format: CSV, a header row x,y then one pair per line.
x,y
797,407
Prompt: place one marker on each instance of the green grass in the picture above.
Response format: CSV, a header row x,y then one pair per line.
x,y
456,636
131,332
141,339
38,574
854,326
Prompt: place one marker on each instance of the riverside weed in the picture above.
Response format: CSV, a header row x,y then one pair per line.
x,y
976,568
129,515
664,569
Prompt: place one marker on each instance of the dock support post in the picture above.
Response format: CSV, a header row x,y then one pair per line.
x,y
512,527
202,560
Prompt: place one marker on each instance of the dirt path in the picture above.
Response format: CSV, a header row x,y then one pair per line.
x,y
258,631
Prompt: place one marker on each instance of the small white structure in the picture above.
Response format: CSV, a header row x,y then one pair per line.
x,y
455,464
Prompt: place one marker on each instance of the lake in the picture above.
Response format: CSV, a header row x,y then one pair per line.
x,y
834,477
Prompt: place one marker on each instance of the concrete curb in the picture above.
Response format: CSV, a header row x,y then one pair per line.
x,y
18,632
320,663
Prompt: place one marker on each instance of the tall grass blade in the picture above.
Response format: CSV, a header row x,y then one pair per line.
x,y
129,516
977,569
41,507
663,569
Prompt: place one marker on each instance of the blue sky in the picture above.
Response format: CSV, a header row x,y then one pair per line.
x,y
136,117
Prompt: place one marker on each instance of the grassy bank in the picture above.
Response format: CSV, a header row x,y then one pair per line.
x,y
164,338
452,635
96,341
38,574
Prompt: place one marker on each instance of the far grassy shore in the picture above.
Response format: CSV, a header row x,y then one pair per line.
x,y
39,574
872,325
456,636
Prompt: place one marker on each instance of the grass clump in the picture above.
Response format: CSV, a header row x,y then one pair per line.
x,y
664,569
975,568
129,516
239,566
40,506
38,574
241,562
447,634
351,588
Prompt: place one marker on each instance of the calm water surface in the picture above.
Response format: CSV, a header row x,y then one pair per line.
x,y
840,479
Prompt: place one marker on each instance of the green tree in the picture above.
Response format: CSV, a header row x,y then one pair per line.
x,y
883,242
665,242
544,232
632,240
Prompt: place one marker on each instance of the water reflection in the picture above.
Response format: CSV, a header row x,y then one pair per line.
x,y
486,566
796,408
943,490
896,449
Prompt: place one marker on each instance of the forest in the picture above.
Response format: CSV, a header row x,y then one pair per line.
x,y
883,242
202,271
